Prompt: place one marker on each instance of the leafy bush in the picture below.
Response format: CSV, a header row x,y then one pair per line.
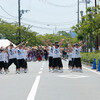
x,y
89,57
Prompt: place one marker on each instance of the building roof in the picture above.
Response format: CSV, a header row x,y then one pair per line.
x,y
5,42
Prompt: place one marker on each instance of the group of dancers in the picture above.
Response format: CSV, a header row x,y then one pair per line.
x,y
20,54
55,55
16,55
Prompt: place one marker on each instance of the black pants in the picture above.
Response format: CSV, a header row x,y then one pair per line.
x,y
57,62
25,63
21,63
46,57
73,62
50,61
5,65
13,61
76,62
1,64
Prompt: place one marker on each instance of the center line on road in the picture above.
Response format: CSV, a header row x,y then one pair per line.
x,y
41,69
33,91
42,65
40,72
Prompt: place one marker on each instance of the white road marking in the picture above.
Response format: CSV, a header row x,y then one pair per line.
x,y
33,91
94,71
41,68
40,72
73,76
42,65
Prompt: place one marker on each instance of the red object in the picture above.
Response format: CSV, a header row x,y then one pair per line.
x,y
39,58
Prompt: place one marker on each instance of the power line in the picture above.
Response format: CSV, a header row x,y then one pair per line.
x,y
32,24
42,23
42,27
38,27
53,24
57,5
7,12
47,23
6,17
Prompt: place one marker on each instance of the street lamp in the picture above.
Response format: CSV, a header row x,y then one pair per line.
x,y
83,1
81,12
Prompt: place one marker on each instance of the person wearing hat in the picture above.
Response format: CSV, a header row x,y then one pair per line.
x,y
71,46
57,62
13,56
78,49
50,51
20,57
77,57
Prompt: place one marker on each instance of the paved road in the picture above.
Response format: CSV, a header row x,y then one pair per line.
x,y
39,84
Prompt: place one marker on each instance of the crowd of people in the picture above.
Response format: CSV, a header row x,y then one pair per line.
x,y
38,53
55,56
20,54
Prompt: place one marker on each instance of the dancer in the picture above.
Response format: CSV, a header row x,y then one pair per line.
x,y
57,62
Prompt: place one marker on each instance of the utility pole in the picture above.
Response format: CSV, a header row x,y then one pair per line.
x,y
20,13
86,4
95,3
19,20
87,34
78,12
97,35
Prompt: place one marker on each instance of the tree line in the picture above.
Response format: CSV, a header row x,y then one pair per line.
x,y
10,31
89,28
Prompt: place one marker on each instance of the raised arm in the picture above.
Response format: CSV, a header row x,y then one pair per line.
x,y
71,43
60,43
84,44
70,47
7,47
25,45
30,49
49,43
80,43
19,44
67,50
45,43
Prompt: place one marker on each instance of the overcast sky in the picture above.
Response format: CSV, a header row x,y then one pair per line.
x,y
46,16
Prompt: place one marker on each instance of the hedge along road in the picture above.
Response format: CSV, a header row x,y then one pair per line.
x,y
39,84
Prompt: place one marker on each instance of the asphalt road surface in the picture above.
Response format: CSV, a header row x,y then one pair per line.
x,y
39,84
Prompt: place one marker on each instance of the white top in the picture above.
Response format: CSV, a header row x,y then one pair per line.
x,y
77,52
2,56
50,51
69,56
5,57
12,53
20,53
17,53
73,53
25,54
56,52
